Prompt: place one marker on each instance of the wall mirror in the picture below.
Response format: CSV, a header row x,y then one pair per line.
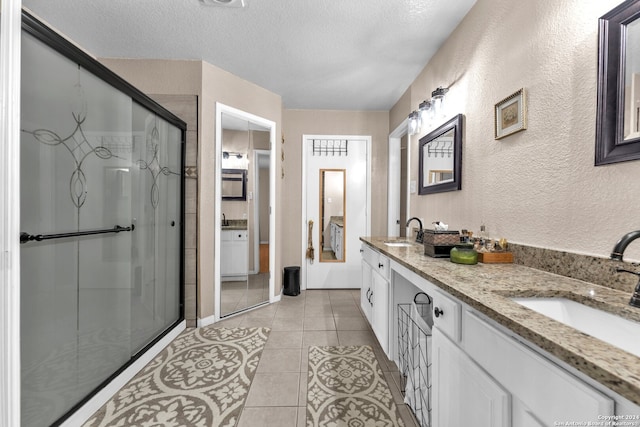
x,y
618,112
440,158
234,184
245,222
332,215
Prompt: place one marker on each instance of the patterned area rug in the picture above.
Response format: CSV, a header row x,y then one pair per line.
x,y
201,379
347,388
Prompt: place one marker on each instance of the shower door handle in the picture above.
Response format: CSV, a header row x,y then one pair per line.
x,y
26,237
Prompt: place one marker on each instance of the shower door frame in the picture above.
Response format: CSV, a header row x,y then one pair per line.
x,y
55,41
10,44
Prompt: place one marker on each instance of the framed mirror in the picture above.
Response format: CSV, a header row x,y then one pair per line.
x,y
440,158
618,111
332,214
234,184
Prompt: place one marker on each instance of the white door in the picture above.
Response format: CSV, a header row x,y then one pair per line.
x,y
335,197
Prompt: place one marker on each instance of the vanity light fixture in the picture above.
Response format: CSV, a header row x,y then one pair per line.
x,y
414,123
426,112
437,101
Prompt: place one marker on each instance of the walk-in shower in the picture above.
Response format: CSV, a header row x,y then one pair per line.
x,y
101,220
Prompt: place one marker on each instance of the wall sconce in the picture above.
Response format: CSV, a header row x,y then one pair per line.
x,y
414,123
426,113
437,101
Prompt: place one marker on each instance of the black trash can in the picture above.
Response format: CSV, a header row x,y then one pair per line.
x,y
291,281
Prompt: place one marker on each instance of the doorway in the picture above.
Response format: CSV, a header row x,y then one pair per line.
x,y
245,220
398,199
336,204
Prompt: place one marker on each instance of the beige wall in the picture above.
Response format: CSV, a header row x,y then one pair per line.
x,y
537,187
322,122
212,85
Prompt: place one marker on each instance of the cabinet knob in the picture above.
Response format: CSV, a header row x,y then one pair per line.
x,y
380,265
437,312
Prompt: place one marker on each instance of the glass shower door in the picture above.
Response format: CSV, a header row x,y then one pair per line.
x,y
101,219
76,177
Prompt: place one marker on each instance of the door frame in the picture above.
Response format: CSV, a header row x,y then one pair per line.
x,y
394,178
305,216
10,50
222,108
257,153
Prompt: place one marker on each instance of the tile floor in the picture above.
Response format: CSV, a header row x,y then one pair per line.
x,y
277,396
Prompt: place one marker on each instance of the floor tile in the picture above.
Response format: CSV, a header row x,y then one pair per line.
x,y
269,417
356,338
351,323
302,416
287,323
323,323
274,389
256,322
284,339
279,360
302,396
319,338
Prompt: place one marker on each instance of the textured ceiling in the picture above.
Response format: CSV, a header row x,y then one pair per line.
x,y
316,54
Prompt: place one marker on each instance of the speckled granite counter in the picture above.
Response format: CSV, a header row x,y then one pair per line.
x,y
489,287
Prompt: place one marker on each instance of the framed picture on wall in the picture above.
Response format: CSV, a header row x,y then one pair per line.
x,y
511,114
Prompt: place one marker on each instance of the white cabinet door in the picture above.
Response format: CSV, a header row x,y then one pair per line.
x,y
463,394
234,256
365,290
380,313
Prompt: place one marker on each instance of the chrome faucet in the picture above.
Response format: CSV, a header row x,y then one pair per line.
x,y
420,235
616,254
224,220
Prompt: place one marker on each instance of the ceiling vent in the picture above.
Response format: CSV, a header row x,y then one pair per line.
x,y
225,3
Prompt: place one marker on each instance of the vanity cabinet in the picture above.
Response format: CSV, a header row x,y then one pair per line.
x,y
542,392
234,256
463,394
374,294
336,240
483,374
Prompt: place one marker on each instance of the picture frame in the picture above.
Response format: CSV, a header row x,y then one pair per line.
x,y
510,114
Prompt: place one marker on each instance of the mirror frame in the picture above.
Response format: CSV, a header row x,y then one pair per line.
x,y
455,184
322,216
243,177
610,144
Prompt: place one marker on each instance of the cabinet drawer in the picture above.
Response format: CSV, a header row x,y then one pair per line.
x,y
370,256
550,393
238,235
446,315
382,267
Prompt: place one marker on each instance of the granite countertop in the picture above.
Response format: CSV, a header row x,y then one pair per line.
x,y
234,224
337,220
489,287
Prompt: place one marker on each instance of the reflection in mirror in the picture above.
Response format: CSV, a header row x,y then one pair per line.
x,y
332,215
618,110
632,82
244,227
440,158
234,184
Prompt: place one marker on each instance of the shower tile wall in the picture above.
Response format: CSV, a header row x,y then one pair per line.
x,y
186,107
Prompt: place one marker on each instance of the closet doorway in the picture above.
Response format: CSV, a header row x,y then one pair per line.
x,y
245,220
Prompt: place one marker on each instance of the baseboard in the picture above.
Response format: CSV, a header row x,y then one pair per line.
x,y
88,409
206,321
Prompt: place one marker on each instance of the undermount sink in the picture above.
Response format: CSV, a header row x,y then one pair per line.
x,y
399,244
615,330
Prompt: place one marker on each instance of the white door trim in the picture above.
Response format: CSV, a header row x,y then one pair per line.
x,y
10,33
393,185
256,206
305,216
